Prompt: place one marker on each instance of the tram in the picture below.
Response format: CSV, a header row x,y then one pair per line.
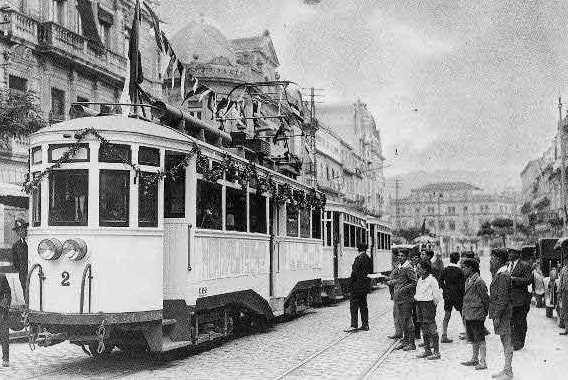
x,y
344,228
145,236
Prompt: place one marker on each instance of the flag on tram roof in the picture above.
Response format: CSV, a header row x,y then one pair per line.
x,y
136,76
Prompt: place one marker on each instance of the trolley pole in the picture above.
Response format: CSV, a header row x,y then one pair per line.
x,y
562,166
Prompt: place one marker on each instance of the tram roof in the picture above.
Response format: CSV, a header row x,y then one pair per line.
x,y
116,123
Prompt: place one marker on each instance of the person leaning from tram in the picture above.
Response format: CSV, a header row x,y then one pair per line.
x,y
5,301
521,278
404,291
20,251
360,285
501,307
393,278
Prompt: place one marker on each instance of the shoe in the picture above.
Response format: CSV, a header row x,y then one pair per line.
x,y
470,363
394,336
481,366
5,363
506,376
445,339
424,355
400,346
434,356
409,347
517,348
351,329
364,328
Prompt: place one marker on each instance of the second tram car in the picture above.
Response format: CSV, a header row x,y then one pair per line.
x,y
120,255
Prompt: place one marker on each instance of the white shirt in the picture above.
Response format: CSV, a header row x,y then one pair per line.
x,y
512,265
453,265
502,269
427,289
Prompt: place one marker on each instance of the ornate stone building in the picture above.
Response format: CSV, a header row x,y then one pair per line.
x,y
454,211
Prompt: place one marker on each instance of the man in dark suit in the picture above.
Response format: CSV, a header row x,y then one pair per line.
x,y
521,277
5,301
20,251
360,284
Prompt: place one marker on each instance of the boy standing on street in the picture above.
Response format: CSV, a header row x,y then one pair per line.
x,y
452,282
427,298
404,299
393,278
475,309
501,308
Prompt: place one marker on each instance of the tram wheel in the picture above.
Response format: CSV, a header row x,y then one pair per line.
x,y
106,352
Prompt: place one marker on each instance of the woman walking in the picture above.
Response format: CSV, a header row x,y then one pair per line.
x,y
475,309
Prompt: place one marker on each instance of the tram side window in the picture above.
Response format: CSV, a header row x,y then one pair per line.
x,y
329,234
36,204
114,198
147,201
174,190
208,207
236,210
316,223
68,197
291,221
305,222
346,240
352,236
257,208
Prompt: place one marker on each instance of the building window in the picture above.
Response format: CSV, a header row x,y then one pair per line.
x,y
208,205
442,225
57,105
68,197
452,225
236,210
174,190
78,22
17,84
147,201
257,211
105,34
114,196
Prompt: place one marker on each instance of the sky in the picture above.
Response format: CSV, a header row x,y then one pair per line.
x,y
454,85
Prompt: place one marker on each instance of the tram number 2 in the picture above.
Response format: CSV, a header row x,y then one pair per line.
x,y
202,291
65,278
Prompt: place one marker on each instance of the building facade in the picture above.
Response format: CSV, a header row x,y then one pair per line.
x,y
455,211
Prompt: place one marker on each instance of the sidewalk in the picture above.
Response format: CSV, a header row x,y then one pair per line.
x,y
545,355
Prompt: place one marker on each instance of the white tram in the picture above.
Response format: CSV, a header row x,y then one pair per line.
x,y
118,259
343,229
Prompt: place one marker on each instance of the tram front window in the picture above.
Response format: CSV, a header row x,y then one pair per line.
x,y
147,201
114,198
236,217
68,197
316,223
208,207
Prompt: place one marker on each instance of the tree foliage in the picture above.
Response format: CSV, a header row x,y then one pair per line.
x,y
411,233
20,114
497,227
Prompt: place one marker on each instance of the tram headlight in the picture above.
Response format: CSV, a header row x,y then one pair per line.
x,y
74,249
49,249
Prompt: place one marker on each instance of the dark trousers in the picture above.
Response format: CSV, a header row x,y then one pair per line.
x,y
415,322
23,279
405,315
4,334
358,303
519,325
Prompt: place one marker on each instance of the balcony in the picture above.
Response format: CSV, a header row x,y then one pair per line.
x,y
64,43
18,27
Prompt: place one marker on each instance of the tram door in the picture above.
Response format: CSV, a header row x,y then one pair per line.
x,y
336,243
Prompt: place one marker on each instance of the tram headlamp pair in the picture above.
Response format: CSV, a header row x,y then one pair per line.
x,y
52,249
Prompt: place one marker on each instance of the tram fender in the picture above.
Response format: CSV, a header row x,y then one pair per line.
x,y
248,298
305,285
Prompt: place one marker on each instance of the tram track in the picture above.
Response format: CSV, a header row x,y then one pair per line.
x,y
368,371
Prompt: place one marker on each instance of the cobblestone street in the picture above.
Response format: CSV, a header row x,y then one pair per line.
x,y
312,346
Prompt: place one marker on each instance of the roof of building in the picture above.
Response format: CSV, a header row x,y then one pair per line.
x,y
262,43
198,42
447,186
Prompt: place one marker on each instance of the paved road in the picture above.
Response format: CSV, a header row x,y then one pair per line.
x,y
312,346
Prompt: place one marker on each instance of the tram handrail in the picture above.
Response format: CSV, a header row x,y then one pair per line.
x,y
27,290
82,296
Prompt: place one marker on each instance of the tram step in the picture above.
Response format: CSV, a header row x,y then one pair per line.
x,y
168,345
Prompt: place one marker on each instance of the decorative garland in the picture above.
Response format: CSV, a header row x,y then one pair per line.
x,y
244,175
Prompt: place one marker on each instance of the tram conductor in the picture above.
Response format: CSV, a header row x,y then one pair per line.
x,y
20,251
360,285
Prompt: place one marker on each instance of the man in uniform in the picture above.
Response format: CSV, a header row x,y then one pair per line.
x,y
20,251
521,276
360,284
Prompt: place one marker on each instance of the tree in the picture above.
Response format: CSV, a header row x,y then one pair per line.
x,y
499,226
411,233
20,113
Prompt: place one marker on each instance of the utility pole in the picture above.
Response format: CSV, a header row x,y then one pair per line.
x,y
562,167
397,210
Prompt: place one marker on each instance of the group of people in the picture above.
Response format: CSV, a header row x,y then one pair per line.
x,y
20,263
420,284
